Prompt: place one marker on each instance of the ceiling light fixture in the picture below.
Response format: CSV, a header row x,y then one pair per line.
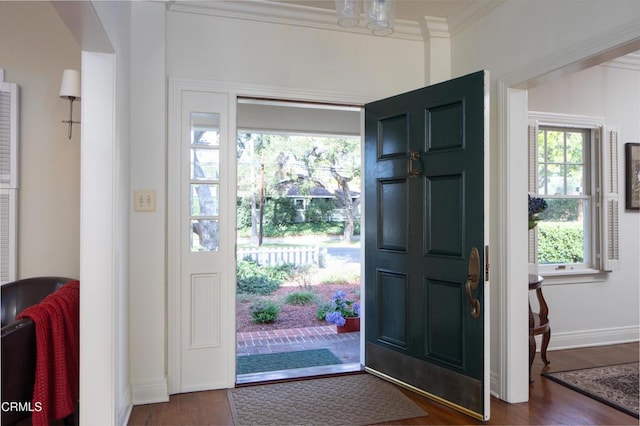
x,y
379,15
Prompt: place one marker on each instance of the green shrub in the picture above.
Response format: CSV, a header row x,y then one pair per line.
x,y
321,311
319,210
264,311
281,272
254,279
301,298
243,213
560,242
279,212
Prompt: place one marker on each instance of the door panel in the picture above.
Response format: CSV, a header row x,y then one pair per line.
x,y
392,308
424,205
392,221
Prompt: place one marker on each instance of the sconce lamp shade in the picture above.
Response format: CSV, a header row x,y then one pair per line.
x,y
70,87
348,12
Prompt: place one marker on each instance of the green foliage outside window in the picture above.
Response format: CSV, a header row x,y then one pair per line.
x,y
319,210
255,279
279,211
560,242
562,210
264,311
243,213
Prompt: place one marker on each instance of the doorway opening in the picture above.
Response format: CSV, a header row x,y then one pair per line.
x,y
298,239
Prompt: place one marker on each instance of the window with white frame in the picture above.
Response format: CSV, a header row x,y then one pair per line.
x,y
573,167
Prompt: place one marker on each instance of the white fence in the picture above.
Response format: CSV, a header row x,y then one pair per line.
x,y
271,256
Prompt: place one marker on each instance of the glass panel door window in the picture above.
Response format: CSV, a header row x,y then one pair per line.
x,y
204,182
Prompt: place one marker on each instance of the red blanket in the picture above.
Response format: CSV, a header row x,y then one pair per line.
x,y
56,387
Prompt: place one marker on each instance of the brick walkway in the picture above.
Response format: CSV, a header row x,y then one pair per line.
x,y
345,346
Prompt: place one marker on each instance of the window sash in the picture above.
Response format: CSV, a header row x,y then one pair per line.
x,y
603,239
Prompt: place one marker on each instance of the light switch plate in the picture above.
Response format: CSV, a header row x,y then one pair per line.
x,y
144,201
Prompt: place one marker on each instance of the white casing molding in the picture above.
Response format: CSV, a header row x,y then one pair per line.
x,y
512,152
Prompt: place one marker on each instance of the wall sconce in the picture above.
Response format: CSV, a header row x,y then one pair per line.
x,y
70,89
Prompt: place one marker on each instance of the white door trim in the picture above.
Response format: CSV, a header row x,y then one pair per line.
x,y
234,91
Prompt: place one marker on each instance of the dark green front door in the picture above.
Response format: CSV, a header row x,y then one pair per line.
x,y
425,310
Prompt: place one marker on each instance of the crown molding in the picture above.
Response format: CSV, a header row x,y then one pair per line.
x,y
470,14
627,62
435,27
286,14
304,16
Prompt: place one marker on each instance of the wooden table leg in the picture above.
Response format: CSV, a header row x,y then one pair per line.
x,y
532,354
546,337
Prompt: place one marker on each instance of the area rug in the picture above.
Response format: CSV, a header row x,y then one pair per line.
x,y
614,385
247,364
358,399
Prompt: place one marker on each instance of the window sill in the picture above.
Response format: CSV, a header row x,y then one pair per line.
x,y
580,276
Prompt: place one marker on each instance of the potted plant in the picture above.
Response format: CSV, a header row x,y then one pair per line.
x,y
536,206
344,313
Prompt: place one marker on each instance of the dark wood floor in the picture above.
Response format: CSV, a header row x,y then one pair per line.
x,y
549,403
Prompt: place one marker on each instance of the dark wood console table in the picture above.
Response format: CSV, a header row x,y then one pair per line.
x,y
538,323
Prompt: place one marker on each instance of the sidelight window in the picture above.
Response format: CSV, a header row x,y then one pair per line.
x,y
204,182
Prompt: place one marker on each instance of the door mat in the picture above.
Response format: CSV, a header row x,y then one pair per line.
x,y
247,364
614,385
358,399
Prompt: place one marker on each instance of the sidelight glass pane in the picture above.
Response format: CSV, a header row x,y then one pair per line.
x,y
205,200
205,128
205,164
205,235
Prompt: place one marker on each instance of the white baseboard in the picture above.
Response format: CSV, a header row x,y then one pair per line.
x,y
494,387
586,338
148,391
124,410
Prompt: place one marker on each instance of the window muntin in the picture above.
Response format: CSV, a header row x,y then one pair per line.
x,y
567,228
204,182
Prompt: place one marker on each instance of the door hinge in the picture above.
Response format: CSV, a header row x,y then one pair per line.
x,y
486,263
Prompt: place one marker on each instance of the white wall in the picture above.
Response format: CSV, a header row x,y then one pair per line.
x,y
232,50
147,237
589,312
519,40
35,47
226,50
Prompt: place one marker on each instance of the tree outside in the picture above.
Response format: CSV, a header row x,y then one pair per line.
x,y
324,171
